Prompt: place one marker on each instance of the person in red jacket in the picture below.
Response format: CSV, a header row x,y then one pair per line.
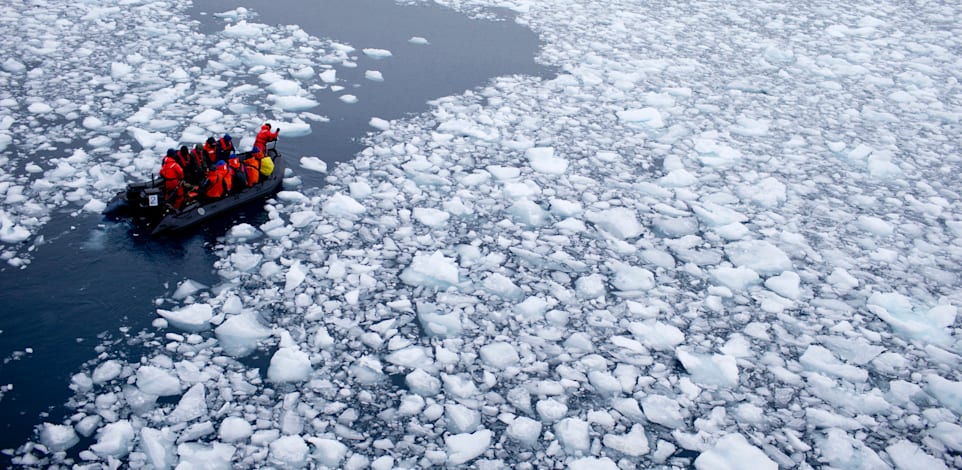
x,y
173,175
265,136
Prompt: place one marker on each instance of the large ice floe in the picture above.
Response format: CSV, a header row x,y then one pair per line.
x,y
725,236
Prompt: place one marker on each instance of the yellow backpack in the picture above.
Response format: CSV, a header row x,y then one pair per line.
x,y
267,166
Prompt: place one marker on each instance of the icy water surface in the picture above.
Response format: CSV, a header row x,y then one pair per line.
x,y
87,276
460,54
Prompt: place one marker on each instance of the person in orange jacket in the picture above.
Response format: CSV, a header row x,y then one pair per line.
x,y
173,176
211,148
252,165
265,136
238,174
218,183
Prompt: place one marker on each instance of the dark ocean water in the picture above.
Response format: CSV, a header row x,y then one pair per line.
x,y
94,280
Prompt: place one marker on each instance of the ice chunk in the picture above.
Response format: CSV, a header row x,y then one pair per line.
x,y
314,164
107,371
240,334
750,127
591,286
158,447
657,335
431,217
58,437
418,40
374,76
875,226
620,222
649,117
295,276
738,279
243,29
930,326
718,369
524,430
785,285
208,116
947,392
502,286
114,440
10,231
192,318
842,281
192,405
543,160
758,255
551,410
216,456
289,452
348,98
234,429
733,452
328,452
528,212
949,434
633,444
379,124
376,54
461,419
411,356
631,278
422,383
434,270
328,76
156,381
574,435
821,359
463,448
289,364
662,410
768,193
438,323
343,206
499,355
593,463
909,456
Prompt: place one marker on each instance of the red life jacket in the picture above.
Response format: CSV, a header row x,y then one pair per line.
x,y
211,154
172,173
224,149
263,137
173,176
197,158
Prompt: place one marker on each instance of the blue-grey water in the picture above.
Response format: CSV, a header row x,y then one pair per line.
x,y
95,279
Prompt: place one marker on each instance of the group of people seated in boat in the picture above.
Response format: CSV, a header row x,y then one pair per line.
x,y
213,170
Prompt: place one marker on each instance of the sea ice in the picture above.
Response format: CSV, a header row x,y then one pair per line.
x,y
732,452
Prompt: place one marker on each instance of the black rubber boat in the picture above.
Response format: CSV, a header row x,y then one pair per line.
x,y
144,201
